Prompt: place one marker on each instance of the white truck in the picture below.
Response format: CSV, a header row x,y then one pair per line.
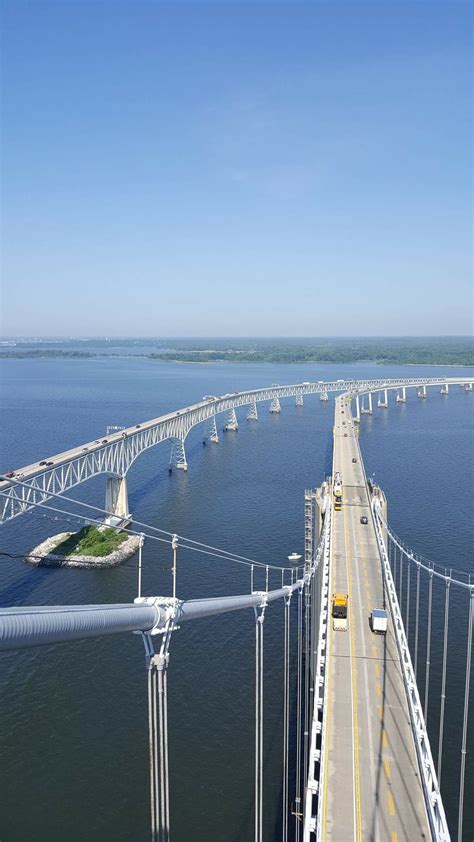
x,y
379,621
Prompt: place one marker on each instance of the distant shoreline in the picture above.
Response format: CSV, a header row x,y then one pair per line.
x,y
73,356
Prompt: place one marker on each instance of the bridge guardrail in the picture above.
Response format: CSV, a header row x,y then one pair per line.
x,y
433,801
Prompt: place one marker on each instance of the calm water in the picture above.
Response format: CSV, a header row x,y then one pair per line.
x,y
73,726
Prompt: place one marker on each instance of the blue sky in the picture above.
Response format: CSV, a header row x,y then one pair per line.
x,y
237,169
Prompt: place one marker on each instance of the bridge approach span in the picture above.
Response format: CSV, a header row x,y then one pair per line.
x,y
114,455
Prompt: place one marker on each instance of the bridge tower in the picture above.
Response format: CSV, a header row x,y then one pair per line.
x,y
383,401
367,410
402,395
299,400
116,501
252,414
275,405
178,456
231,423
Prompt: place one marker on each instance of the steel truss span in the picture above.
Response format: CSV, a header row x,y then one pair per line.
x,y
115,455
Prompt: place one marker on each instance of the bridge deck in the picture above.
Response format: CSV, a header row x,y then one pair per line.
x,y
372,789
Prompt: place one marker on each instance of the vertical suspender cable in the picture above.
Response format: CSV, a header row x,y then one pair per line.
x,y
466,712
306,679
417,614
428,645
401,580
259,618
407,621
286,717
443,680
395,565
261,733
298,717
257,730
152,731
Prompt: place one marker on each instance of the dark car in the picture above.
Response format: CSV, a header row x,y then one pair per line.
x,y
364,520
104,441
43,462
354,459
50,463
138,426
10,474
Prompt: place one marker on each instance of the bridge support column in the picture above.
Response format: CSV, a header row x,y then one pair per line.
x,y
116,500
252,414
231,423
383,399
402,395
275,406
299,400
178,456
468,387
323,396
444,389
422,391
357,417
367,410
210,432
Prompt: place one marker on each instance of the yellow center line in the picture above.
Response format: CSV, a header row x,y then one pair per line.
x,y
391,803
355,722
394,837
377,669
386,766
378,689
384,739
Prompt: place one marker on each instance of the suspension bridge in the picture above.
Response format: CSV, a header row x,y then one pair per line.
x,y
364,763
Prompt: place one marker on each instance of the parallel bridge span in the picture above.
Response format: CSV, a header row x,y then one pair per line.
x,y
115,455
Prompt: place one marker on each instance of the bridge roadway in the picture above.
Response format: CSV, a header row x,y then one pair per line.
x,y
371,785
114,454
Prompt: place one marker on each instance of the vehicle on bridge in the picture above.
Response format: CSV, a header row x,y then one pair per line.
x,y
339,611
337,492
378,621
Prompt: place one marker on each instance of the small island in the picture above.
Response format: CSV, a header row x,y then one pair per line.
x,y
91,547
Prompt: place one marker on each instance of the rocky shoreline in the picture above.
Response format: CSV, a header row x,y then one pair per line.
x,y
44,556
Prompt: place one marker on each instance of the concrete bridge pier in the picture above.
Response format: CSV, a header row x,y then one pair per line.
x,y
422,391
367,410
116,501
383,399
252,414
402,395
357,416
178,456
275,406
210,432
231,422
444,389
468,387
299,400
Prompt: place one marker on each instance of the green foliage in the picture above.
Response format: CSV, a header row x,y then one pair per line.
x,y
445,350
91,541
